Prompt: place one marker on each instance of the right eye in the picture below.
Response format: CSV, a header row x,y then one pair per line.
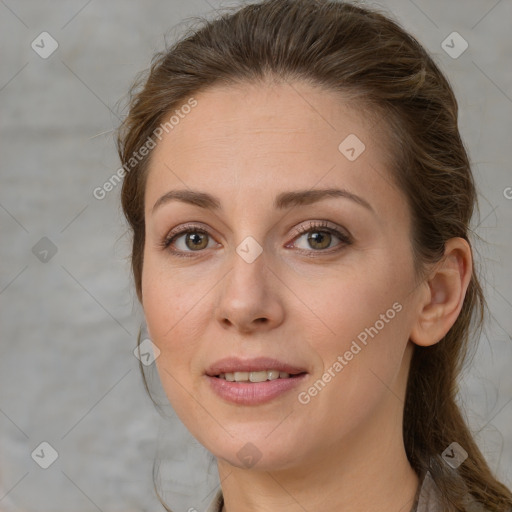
x,y
189,239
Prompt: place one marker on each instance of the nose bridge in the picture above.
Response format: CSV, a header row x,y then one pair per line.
x,y
249,231
247,275
247,298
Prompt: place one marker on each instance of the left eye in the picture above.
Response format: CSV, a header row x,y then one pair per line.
x,y
320,239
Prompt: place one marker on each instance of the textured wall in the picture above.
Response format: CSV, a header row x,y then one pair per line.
x,y
69,318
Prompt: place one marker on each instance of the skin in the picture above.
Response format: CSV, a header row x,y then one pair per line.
x,y
245,144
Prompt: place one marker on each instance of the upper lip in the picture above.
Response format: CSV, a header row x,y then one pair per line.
x,y
235,364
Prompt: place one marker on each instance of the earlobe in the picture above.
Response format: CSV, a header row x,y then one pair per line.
x,y
443,294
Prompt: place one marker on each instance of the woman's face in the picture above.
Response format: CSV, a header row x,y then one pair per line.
x,y
247,292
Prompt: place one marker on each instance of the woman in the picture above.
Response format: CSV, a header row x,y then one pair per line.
x,y
300,201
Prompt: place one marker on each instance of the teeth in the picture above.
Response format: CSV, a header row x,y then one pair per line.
x,y
260,376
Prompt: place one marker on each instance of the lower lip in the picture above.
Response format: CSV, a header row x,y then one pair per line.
x,y
253,393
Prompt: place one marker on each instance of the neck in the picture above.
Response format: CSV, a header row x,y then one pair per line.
x,y
383,482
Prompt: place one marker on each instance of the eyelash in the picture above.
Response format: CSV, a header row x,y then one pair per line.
x,y
313,227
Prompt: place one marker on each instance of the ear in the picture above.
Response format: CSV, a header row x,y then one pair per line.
x,y
444,292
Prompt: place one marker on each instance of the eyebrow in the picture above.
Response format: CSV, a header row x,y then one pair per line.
x,y
283,201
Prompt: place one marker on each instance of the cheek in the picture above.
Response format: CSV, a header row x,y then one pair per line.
x,y
367,295
171,322
363,321
169,303
365,356
169,328
175,308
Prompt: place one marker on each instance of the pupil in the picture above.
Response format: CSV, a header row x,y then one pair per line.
x,y
196,239
317,237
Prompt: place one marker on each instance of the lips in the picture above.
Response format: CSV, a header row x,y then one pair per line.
x,y
259,364
240,381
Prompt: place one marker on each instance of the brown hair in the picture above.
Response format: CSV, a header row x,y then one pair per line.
x,y
361,52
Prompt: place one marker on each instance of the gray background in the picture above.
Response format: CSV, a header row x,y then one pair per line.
x,y
68,326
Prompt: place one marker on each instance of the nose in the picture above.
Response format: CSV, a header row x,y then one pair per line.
x,y
250,296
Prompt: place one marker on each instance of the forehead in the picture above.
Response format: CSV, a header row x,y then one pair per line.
x,y
263,137
227,113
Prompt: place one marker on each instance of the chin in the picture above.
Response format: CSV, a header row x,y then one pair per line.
x,y
258,452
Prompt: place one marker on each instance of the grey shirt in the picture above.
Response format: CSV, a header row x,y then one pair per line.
x,y
426,498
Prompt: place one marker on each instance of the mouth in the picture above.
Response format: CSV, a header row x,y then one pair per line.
x,y
261,369
253,381
257,376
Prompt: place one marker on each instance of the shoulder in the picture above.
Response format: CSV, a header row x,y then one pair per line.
x,y
430,498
